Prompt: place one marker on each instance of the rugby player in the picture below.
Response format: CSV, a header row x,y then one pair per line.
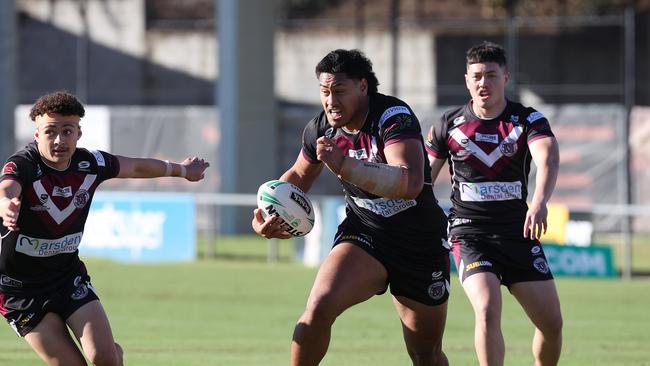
x,y
394,233
489,144
45,195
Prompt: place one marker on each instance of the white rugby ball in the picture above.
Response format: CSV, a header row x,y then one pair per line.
x,y
290,203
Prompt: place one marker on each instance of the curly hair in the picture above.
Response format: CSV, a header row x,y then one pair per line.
x,y
487,52
352,63
60,102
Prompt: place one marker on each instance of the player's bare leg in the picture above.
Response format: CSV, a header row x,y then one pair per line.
x,y
484,292
53,343
541,302
423,327
347,277
90,325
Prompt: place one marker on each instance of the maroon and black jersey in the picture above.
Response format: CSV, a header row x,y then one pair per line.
x,y
53,212
489,162
389,120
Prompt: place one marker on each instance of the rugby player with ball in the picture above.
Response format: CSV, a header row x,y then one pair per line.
x,y
394,233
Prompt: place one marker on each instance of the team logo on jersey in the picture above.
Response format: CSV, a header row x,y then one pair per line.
x,y
514,119
508,147
81,289
62,192
8,281
358,154
459,120
80,198
39,171
43,197
437,290
541,265
403,122
436,275
10,168
536,250
329,133
83,165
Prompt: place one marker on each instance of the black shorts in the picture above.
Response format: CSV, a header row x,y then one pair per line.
x,y
512,259
416,270
24,312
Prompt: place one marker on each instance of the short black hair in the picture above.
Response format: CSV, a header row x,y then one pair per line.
x,y
487,52
60,102
353,63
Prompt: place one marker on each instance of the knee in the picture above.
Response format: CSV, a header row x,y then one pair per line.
x,y
107,356
487,316
552,327
321,310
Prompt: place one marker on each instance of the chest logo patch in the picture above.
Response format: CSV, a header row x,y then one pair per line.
x,y
507,147
79,200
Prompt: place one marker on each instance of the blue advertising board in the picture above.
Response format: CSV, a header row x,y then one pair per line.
x,y
141,227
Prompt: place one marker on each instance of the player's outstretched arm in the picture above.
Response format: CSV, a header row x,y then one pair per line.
x,y
192,169
10,191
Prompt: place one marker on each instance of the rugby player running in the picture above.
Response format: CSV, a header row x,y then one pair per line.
x,y
394,231
45,195
489,144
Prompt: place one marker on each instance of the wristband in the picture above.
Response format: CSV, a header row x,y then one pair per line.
x,y
168,168
183,171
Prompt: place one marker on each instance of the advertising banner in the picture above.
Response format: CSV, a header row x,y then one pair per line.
x,y
141,227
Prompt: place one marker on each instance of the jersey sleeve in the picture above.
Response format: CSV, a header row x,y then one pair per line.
x,y
399,123
537,126
309,137
108,165
17,169
436,141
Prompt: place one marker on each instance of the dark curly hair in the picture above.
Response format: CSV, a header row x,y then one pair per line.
x,y
60,102
352,63
487,52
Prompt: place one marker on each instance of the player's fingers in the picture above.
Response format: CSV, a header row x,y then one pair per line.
x,y
526,224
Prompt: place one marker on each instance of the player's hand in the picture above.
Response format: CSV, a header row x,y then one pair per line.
x,y
9,211
272,227
330,154
535,225
195,168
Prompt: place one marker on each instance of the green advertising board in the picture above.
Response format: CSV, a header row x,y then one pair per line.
x,y
591,261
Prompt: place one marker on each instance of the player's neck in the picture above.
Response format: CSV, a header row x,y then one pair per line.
x,y
60,167
489,113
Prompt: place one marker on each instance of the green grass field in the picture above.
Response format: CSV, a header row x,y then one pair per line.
x,y
242,311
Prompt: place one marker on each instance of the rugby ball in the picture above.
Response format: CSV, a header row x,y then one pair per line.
x,y
290,203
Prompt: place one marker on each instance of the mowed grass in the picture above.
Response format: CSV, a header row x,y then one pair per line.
x,y
242,312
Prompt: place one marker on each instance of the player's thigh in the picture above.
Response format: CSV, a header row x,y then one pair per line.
x,y
53,343
541,303
349,275
423,325
91,326
483,290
